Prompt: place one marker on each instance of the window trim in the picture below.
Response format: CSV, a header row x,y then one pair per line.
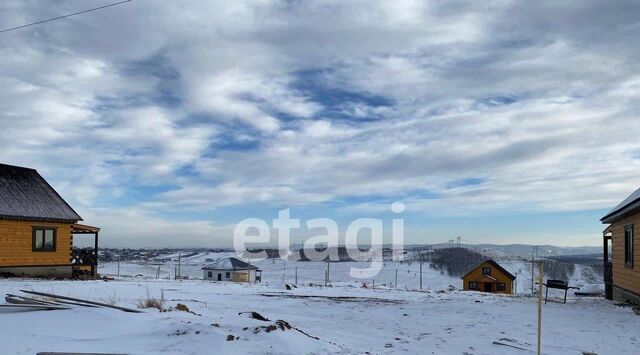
x,y
486,268
628,246
473,283
501,286
43,249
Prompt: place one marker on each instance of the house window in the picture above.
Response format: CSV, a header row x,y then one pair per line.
x,y
473,285
210,274
486,271
501,286
227,275
628,245
43,239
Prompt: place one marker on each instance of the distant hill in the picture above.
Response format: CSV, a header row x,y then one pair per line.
x,y
524,249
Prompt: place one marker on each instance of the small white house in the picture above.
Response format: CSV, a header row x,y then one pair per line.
x,y
232,269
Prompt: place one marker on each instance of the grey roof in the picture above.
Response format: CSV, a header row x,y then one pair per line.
x,y
230,264
25,195
629,204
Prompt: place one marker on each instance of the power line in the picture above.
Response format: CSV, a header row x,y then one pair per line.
x,y
65,16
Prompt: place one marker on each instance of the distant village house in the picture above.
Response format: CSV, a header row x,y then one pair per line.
x,y
621,267
37,228
489,276
232,269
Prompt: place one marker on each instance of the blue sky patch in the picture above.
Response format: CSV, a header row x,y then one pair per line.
x,y
465,182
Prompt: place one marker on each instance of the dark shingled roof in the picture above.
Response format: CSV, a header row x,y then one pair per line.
x,y
26,196
229,264
629,205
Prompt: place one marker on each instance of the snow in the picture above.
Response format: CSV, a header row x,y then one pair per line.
x,y
346,318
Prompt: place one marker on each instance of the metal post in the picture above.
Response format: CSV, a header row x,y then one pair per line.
x,y
118,265
296,269
421,271
95,247
328,278
396,278
532,269
179,262
540,277
249,272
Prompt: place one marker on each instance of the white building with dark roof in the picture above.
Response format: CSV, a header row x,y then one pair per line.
x,y
232,269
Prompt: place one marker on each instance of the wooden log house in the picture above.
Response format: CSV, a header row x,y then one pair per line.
x,y
489,276
622,265
37,228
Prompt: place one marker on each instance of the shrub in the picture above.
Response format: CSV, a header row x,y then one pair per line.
x,y
150,303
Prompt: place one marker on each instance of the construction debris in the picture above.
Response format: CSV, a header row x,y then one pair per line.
x,y
58,297
182,307
10,298
12,308
256,315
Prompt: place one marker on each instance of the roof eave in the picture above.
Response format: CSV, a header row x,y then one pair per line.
x,y
37,219
617,215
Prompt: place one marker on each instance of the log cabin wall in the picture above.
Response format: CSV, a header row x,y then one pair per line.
x,y
16,244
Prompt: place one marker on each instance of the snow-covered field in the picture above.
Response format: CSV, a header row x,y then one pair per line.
x,y
344,319
277,271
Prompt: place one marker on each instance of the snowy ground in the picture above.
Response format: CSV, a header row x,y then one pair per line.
x,y
277,271
345,319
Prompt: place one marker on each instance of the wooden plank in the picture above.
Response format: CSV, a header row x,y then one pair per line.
x,y
12,308
124,309
25,300
58,302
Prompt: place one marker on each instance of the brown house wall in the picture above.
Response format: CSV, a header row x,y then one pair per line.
x,y
624,277
476,275
16,244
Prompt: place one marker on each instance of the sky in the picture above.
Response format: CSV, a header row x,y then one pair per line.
x,y
168,122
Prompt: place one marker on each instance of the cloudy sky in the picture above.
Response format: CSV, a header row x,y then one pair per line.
x,y
167,122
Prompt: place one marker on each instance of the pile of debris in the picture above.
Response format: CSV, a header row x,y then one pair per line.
x,y
51,302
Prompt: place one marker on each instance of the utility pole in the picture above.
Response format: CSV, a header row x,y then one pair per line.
x,y
118,265
421,271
